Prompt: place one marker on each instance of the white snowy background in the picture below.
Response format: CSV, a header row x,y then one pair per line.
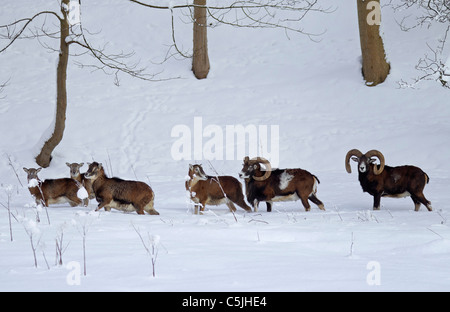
x,y
312,90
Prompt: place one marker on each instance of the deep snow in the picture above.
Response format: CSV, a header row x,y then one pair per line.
x,y
313,91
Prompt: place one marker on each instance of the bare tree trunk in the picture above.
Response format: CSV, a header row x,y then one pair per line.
x,y
200,62
375,68
45,156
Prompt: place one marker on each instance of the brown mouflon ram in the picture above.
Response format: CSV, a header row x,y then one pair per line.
x,y
76,175
52,191
278,185
211,190
384,181
120,194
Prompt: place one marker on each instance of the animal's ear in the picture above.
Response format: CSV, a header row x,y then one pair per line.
x,y
356,159
67,164
38,169
246,159
191,166
81,165
372,160
100,166
25,169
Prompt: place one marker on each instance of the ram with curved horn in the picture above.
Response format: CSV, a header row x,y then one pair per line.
x,y
278,185
385,181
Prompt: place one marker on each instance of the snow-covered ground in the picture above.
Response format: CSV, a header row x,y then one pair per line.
x,y
312,91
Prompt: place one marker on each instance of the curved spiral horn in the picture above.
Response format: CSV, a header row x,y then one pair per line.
x,y
379,155
353,152
268,168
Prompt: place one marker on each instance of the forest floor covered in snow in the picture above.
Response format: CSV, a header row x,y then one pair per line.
x,y
312,91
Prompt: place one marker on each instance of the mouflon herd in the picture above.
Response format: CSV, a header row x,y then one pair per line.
x,y
262,184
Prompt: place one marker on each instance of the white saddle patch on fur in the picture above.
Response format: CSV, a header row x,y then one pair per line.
x,y
285,178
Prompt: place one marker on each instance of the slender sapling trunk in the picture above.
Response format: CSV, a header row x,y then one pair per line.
x,y
45,156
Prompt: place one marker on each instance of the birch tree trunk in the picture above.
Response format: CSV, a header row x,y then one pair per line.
x,y
200,61
375,68
45,156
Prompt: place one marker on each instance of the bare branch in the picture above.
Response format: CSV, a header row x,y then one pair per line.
x,y
283,5
433,65
11,32
109,63
433,11
284,14
173,37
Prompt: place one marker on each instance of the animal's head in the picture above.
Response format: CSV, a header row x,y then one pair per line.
x,y
365,161
74,169
252,168
32,173
94,171
196,172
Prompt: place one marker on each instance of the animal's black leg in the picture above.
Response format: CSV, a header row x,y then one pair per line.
x,y
376,201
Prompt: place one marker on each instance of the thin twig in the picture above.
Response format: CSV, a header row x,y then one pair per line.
x,y
221,188
14,169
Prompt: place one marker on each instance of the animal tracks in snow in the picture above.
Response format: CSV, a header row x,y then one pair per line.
x,y
139,124
4,107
